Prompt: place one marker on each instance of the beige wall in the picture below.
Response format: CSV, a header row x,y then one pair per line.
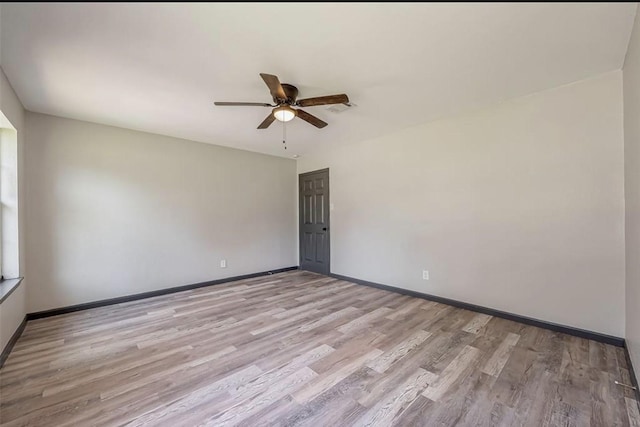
x,y
518,207
13,309
631,73
114,212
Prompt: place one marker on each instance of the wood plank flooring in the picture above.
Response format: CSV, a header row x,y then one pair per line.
x,y
298,348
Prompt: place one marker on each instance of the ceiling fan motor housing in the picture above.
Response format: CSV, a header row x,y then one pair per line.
x,y
291,92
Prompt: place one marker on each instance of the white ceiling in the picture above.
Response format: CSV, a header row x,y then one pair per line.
x,y
159,67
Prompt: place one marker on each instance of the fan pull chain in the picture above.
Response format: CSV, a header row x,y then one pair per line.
x,y
284,134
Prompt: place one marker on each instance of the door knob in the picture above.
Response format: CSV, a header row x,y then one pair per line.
x,y
324,228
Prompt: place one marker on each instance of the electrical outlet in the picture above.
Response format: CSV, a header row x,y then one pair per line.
x,y
425,274
223,263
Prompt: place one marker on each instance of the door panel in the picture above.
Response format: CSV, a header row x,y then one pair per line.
x,y
314,221
308,209
309,247
319,209
320,237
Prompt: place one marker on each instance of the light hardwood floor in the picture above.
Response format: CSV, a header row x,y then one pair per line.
x,y
298,348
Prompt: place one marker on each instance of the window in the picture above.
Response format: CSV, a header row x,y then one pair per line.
x,y
9,255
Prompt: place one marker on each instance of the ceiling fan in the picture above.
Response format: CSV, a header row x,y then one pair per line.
x,y
284,98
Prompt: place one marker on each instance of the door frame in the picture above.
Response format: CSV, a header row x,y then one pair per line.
x,y
300,176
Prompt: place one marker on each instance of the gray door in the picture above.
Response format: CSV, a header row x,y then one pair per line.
x,y
314,221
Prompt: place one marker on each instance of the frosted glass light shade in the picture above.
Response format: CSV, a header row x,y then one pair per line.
x,y
284,113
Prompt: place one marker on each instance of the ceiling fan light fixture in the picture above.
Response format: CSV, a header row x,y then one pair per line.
x,y
284,113
284,96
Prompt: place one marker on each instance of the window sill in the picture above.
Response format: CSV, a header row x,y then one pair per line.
x,y
7,286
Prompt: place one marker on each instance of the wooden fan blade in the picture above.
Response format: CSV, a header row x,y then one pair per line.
x,y
267,122
274,85
324,100
310,118
243,104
